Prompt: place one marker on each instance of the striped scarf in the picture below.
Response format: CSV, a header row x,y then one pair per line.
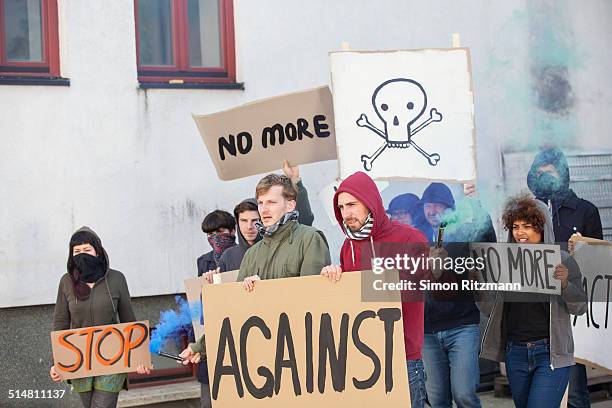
x,y
268,232
364,232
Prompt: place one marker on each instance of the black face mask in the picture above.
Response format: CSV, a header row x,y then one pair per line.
x,y
91,267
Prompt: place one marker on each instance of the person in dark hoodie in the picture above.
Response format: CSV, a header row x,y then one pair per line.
x,y
406,209
450,351
370,233
219,227
92,294
532,333
548,179
246,216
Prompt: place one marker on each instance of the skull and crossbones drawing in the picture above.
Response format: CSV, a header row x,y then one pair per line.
x,y
399,103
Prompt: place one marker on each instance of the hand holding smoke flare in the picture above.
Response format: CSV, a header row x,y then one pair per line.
x,y
440,234
468,222
172,324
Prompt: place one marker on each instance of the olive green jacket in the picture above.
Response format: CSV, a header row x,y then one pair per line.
x,y
97,309
293,250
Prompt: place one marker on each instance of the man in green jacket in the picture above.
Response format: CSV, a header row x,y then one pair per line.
x,y
288,248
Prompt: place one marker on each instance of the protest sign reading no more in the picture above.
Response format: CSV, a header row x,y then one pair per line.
x,y
530,265
256,137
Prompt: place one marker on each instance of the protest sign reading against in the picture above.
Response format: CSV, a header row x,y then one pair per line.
x,y
304,342
193,290
594,328
396,108
101,350
256,137
531,266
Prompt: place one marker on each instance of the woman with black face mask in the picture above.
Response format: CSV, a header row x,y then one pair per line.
x,y
92,294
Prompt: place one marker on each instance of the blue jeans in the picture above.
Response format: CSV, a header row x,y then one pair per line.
x,y
451,363
416,383
532,382
578,391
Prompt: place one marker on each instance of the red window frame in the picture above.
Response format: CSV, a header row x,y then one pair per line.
x,y
180,48
49,67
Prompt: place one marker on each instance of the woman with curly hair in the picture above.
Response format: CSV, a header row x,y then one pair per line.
x,y
532,333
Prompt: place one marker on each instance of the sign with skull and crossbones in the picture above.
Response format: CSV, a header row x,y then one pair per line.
x,y
405,114
399,103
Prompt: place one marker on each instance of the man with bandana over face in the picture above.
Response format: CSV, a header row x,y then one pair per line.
x,y
219,227
548,180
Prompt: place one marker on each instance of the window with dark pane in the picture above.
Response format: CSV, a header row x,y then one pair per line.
x,y
23,38
204,33
185,41
155,32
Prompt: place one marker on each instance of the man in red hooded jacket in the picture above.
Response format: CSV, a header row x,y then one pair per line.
x,y
370,233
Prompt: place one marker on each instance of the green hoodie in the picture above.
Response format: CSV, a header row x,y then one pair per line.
x,y
293,250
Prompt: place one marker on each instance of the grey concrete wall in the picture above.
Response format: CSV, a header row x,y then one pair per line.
x,y
25,350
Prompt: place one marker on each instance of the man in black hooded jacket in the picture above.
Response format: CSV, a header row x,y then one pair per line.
x,y
548,180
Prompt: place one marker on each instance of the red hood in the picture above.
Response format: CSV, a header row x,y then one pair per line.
x,y
362,187
356,255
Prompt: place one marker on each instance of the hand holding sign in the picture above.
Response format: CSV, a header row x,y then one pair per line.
x,y
54,374
209,275
249,282
332,272
143,370
561,273
469,190
571,244
292,172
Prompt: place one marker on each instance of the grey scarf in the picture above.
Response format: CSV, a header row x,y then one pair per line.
x,y
268,232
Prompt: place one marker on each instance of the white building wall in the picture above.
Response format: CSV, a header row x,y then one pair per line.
x,y
130,163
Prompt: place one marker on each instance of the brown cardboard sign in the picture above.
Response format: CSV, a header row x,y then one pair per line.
x,y
593,328
304,342
193,290
516,267
256,137
101,350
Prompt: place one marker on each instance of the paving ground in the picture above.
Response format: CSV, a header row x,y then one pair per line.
x,y
188,397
